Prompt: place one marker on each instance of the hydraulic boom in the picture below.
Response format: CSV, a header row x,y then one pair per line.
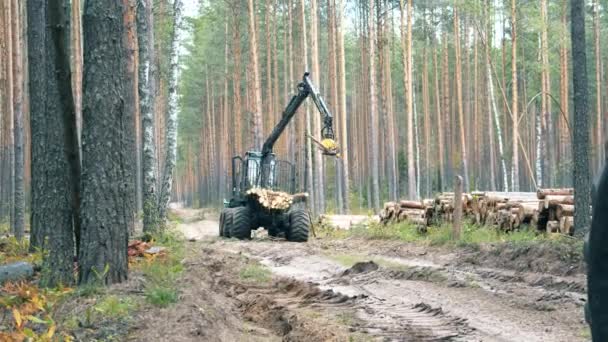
x,y
305,89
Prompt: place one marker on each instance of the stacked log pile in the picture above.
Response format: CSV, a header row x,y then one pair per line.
x,y
275,200
548,210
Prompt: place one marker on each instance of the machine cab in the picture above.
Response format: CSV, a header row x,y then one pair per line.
x,y
254,171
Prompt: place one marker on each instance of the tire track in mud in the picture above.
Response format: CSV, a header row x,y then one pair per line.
x,y
428,302
370,315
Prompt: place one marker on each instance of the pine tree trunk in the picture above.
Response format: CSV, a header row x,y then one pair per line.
x,y
503,163
108,145
406,46
308,179
438,121
318,180
599,129
515,102
146,89
19,192
343,110
53,128
373,106
564,138
580,143
256,108
171,125
462,123
76,67
236,78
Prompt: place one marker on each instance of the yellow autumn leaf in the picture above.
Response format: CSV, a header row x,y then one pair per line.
x,y
51,331
17,317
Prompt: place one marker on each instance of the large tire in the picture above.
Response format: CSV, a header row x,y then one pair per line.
x,y
241,223
299,226
225,223
222,223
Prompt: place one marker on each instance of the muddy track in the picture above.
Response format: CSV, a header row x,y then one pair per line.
x,y
401,294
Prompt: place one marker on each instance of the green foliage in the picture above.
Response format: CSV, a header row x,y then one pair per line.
x,y
163,273
255,273
115,307
161,296
472,235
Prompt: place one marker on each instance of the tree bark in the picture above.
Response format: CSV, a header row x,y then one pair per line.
x,y
171,133
580,143
19,191
462,123
343,112
515,102
146,89
599,129
54,143
406,45
256,124
318,180
373,106
108,146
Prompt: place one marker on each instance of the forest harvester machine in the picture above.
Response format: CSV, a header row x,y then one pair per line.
x,y
261,171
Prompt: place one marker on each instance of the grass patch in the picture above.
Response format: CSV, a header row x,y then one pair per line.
x,y
13,250
161,296
255,273
472,235
115,307
163,272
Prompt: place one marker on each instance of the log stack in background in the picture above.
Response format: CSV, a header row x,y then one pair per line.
x,y
549,210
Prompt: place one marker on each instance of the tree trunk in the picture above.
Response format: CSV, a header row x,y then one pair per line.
x,y
342,99
236,78
546,122
373,105
19,192
599,129
76,47
462,123
580,143
438,121
256,124
503,163
54,143
146,89
564,135
318,181
407,80
171,133
515,103
308,179
108,145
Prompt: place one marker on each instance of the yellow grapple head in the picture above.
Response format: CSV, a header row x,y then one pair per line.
x,y
329,147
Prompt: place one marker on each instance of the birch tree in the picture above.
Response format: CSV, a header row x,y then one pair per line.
x,y
171,133
146,90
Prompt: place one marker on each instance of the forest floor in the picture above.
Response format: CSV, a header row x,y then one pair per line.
x,y
340,286
357,289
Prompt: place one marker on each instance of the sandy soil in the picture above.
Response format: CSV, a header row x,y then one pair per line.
x,y
394,292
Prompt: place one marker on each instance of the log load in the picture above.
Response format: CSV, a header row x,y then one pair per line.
x,y
275,200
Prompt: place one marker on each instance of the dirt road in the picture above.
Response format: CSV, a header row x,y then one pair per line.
x,y
362,290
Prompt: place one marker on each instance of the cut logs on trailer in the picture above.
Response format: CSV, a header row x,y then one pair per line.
x,y
549,210
278,200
